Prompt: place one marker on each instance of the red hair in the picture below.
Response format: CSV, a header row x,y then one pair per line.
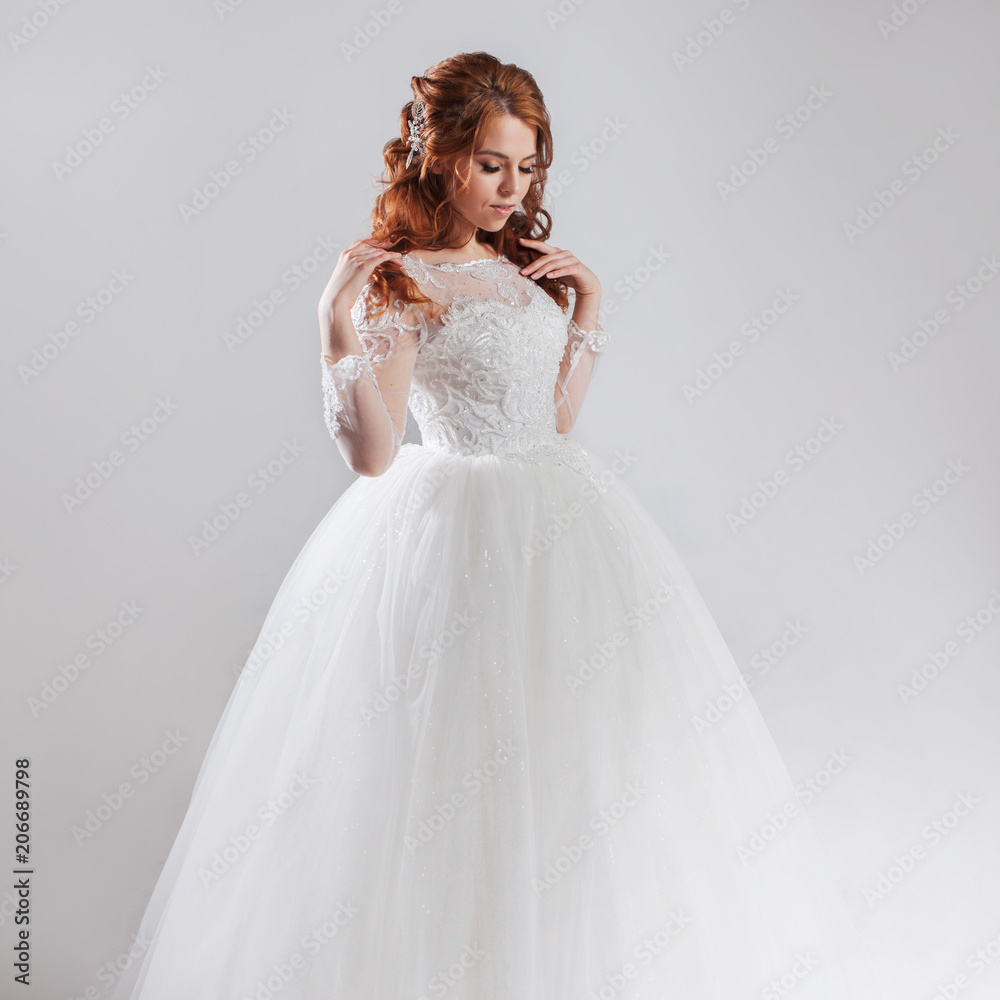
x,y
462,97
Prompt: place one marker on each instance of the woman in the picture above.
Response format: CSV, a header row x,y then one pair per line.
x,y
466,756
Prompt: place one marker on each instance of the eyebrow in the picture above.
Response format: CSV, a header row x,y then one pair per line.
x,y
503,156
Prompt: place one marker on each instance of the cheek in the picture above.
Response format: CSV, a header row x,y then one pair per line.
x,y
485,186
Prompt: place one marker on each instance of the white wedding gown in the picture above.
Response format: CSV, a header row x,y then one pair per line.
x,y
468,755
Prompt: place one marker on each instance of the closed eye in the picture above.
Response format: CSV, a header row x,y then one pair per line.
x,y
493,170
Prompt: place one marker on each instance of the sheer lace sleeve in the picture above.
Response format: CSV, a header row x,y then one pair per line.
x,y
583,351
365,395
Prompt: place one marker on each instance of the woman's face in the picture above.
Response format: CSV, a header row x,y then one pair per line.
x,y
498,175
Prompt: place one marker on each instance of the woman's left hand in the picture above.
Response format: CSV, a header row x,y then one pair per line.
x,y
556,263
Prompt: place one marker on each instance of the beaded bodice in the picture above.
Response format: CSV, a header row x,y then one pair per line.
x,y
486,368
483,381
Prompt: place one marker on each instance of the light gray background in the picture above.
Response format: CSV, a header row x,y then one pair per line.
x,y
649,183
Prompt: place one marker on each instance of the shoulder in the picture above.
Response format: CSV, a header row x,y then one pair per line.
x,y
378,315
382,330
421,271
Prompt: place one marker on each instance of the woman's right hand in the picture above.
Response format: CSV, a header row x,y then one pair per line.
x,y
354,268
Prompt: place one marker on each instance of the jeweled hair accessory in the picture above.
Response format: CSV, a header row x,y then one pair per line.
x,y
414,142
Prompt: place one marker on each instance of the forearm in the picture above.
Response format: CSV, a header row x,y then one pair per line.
x,y
365,427
586,310
357,416
579,361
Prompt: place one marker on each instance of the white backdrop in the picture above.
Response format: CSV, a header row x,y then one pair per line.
x,y
792,207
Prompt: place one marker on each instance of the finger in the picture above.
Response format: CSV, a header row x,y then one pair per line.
x,y
369,253
561,257
375,244
539,244
361,257
366,263
557,272
554,255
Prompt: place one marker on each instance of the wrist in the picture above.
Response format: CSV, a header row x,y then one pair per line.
x,y
586,312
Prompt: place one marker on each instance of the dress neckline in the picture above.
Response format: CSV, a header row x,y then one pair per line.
x,y
452,263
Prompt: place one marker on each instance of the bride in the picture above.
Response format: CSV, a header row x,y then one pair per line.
x,y
466,757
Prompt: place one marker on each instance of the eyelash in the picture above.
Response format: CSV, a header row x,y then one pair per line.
x,y
493,170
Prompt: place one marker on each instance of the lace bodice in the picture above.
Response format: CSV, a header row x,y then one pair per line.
x,y
487,376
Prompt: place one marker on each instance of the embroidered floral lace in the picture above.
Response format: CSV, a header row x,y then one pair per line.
x,y
494,374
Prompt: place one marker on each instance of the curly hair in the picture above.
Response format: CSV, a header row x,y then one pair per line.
x,y
462,97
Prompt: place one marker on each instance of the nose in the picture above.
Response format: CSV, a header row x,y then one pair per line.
x,y
508,181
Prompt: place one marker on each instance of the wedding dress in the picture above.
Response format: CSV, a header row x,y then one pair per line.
x,y
490,743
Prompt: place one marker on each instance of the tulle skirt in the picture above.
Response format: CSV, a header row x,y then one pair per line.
x,y
491,745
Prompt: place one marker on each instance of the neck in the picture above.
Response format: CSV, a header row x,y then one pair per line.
x,y
466,244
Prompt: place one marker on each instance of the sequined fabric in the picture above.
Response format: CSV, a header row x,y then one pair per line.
x,y
485,374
